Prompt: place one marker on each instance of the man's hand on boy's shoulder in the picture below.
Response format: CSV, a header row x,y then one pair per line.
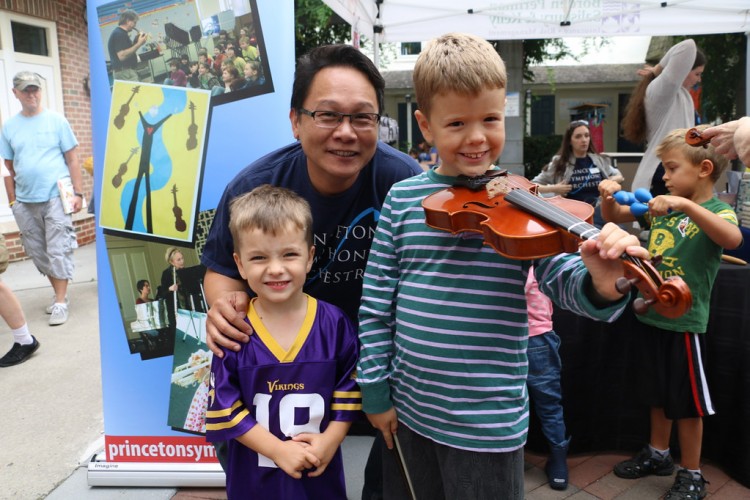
x,y
226,323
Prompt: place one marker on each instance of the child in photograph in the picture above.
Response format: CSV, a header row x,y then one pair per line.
x,y
195,372
443,320
177,77
286,400
690,228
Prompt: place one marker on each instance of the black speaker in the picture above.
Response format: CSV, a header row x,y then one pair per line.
x,y
195,33
179,35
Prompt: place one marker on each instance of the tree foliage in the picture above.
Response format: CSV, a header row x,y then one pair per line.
x,y
722,95
316,24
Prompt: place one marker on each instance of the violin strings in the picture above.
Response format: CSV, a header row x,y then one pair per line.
x,y
535,205
552,214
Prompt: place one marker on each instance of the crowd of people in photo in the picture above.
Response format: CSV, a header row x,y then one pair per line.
x,y
234,66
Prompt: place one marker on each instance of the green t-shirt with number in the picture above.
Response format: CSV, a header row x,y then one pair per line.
x,y
689,253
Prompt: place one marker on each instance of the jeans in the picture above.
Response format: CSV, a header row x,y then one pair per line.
x,y
544,385
442,472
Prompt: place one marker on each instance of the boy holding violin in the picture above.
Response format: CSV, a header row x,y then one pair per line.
x,y
689,229
443,319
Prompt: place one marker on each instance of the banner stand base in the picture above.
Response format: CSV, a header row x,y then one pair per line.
x,y
149,474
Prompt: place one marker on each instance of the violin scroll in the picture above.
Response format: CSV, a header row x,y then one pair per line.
x,y
695,138
670,298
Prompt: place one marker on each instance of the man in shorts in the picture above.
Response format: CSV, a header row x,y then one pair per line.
x,y
39,149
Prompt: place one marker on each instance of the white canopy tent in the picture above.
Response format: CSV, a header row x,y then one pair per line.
x,y
419,20
416,20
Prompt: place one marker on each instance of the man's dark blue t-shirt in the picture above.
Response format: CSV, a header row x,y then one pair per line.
x,y
343,224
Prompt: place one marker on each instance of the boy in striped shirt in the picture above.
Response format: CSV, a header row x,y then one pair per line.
x,y
443,319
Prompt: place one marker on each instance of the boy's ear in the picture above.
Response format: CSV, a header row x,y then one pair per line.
x,y
310,260
706,168
238,263
424,125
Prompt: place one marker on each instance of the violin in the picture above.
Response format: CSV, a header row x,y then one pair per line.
x,y
179,222
695,138
117,179
192,140
119,120
507,210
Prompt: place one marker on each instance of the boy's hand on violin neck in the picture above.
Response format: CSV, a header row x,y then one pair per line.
x,y
602,259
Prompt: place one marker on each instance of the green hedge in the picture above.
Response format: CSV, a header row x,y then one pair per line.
x,y
538,151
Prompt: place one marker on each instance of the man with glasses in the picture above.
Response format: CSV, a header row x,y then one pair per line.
x,y
341,169
39,150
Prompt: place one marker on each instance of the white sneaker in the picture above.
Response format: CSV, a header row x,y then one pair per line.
x,y
59,314
49,307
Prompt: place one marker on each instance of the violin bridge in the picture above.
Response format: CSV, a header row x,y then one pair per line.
x,y
497,187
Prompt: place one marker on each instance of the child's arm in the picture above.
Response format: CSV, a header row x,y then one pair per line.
x,y
324,445
377,319
611,210
292,457
721,231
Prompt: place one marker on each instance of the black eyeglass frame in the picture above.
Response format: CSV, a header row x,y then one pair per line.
x,y
341,116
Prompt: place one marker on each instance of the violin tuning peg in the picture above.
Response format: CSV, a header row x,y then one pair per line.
x,y
656,260
640,305
624,285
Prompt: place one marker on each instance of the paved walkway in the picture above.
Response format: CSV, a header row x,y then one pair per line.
x,y
53,423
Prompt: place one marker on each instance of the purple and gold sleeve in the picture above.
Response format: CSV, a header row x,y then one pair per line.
x,y
346,404
227,417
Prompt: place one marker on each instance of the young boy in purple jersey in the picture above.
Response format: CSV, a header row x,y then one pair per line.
x,y
286,399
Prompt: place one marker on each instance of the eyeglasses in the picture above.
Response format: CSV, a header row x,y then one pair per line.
x,y
578,123
332,119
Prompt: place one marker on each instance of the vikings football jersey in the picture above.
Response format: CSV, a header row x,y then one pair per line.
x,y
288,392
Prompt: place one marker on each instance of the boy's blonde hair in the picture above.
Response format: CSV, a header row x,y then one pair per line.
x,y
695,155
272,210
457,62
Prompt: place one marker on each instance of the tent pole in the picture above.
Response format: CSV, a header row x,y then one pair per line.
x,y
375,51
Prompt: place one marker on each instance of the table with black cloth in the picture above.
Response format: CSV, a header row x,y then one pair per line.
x,y
602,410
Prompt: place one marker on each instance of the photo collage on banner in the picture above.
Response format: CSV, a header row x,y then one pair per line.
x,y
178,72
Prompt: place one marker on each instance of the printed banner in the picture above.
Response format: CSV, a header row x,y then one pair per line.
x,y
171,129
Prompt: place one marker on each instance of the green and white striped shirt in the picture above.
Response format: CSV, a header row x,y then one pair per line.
x,y
443,325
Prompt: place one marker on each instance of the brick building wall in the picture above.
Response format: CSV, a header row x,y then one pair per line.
x,y
72,39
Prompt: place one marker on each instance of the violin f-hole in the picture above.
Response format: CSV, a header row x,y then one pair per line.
x,y
479,204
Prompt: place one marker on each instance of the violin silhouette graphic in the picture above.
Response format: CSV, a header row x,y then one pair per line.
x,y
192,141
125,109
117,179
179,222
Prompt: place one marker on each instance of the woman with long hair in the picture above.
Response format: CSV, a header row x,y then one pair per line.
x,y
577,169
660,103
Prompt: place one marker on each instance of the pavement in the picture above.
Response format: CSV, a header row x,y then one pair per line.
x,y
53,422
